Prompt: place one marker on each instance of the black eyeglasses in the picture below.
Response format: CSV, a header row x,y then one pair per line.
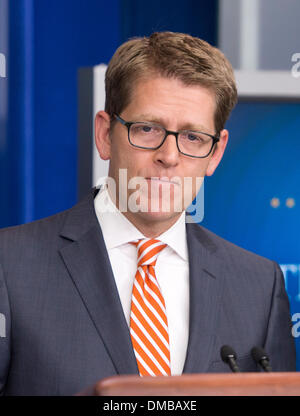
x,y
145,135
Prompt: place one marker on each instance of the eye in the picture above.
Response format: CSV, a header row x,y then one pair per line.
x,y
146,129
193,138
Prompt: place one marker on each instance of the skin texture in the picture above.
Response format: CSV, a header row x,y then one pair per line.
x,y
175,106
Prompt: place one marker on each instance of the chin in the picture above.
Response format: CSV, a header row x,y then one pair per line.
x,y
160,208
160,216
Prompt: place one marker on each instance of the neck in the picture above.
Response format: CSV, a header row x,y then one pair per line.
x,y
153,227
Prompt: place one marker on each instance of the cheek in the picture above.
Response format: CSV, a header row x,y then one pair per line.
x,y
124,156
119,151
196,168
138,163
193,176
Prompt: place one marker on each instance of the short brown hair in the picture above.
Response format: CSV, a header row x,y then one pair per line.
x,y
172,55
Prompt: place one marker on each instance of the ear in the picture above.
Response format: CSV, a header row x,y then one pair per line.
x,y
218,153
102,139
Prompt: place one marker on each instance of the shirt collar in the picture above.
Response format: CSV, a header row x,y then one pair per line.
x,y
118,230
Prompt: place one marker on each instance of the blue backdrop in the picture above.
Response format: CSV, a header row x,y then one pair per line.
x,y
48,42
253,199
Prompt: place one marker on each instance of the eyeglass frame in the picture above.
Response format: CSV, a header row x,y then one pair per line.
x,y
128,124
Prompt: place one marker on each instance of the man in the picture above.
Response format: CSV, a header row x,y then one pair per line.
x,y
119,284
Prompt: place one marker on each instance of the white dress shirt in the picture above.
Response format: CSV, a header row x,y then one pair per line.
x,y
172,270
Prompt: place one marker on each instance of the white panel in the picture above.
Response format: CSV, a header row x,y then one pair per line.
x,y
249,45
267,84
229,30
3,65
259,34
100,167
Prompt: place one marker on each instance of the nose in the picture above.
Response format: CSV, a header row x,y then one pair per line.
x,y
168,154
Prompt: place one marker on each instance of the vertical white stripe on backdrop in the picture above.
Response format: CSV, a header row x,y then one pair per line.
x,y
249,27
3,73
100,167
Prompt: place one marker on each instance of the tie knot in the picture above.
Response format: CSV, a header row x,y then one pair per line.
x,y
148,251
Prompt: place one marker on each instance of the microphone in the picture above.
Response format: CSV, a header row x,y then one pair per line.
x,y
228,355
261,358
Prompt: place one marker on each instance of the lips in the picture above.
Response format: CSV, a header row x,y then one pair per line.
x,y
163,179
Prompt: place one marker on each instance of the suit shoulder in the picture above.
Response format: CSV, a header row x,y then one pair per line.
x,y
229,249
51,223
45,234
32,238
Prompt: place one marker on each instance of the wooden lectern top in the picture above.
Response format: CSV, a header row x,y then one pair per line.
x,y
238,384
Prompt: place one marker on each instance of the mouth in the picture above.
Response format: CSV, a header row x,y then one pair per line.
x,y
162,180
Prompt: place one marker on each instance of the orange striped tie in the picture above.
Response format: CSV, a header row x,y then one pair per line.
x,y
148,318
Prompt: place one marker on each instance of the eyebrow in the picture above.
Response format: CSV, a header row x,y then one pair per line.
x,y
157,120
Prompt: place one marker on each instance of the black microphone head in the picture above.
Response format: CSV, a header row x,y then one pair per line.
x,y
226,352
259,354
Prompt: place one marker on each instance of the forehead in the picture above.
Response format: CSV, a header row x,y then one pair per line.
x,y
171,102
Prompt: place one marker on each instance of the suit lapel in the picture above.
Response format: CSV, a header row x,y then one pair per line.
x,y
206,284
87,261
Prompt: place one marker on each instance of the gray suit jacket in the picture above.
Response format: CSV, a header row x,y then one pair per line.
x,y
65,327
